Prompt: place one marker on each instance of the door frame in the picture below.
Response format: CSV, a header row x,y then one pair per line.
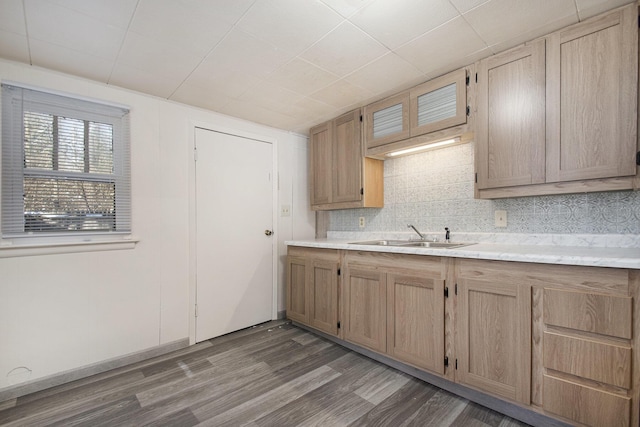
x,y
193,125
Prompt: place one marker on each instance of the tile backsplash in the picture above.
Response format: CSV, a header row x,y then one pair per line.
x,y
434,189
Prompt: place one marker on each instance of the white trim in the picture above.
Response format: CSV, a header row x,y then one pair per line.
x,y
193,125
66,94
34,249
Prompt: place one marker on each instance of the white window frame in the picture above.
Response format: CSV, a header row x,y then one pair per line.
x,y
17,98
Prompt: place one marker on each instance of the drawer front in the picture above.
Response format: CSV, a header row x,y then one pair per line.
x,y
584,404
601,314
610,364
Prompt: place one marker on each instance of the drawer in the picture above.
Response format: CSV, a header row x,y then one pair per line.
x,y
601,314
584,404
606,363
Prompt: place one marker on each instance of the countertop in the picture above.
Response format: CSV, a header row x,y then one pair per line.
x,y
545,254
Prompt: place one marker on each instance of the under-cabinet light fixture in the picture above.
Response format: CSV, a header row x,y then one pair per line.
x,y
424,147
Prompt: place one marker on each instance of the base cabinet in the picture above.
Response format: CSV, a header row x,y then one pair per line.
x,y
312,288
559,340
494,337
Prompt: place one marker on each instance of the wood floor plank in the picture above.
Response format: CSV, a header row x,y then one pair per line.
x,y
441,409
101,416
399,406
389,383
8,404
272,400
474,412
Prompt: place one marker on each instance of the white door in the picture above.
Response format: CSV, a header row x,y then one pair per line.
x,y
234,214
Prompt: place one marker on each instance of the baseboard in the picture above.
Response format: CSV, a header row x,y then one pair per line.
x,y
282,315
43,383
510,409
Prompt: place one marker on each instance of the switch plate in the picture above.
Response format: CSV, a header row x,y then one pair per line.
x,y
361,222
285,210
501,219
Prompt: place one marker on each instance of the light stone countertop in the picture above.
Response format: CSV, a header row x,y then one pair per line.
x,y
619,257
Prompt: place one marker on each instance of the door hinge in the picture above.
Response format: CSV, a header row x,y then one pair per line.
x,y
195,154
446,292
196,311
338,325
446,361
468,110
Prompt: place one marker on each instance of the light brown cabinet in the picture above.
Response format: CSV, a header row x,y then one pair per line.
x,y
493,345
395,305
560,340
432,111
559,115
312,288
365,307
340,176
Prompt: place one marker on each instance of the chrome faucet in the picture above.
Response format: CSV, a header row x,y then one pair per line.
x,y
447,234
416,230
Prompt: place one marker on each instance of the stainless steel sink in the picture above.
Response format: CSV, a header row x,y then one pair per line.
x,y
414,244
446,245
381,243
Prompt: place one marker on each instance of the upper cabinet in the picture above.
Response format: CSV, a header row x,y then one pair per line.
x,y
387,121
436,110
439,103
592,98
559,115
340,176
510,132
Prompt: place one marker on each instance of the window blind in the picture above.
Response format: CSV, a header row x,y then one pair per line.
x,y
437,105
65,165
387,121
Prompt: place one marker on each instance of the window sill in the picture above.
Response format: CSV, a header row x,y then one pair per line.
x,y
54,248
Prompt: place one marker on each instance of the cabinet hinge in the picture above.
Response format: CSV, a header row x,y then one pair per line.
x,y
362,191
196,311
195,154
638,20
456,364
638,158
476,177
360,117
476,77
446,361
446,292
455,289
339,272
338,325
468,110
467,80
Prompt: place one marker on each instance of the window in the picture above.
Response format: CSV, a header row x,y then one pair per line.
x,y
65,165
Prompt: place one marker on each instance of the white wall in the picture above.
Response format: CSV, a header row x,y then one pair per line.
x,y
60,312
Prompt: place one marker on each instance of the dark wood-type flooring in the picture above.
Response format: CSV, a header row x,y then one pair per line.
x,y
273,374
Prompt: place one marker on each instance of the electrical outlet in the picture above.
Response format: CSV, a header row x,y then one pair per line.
x,y
361,222
501,219
285,210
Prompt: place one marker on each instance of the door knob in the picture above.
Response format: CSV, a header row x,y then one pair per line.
x,y
268,232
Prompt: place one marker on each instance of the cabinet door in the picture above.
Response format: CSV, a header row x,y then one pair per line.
x,y
323,292
320,167
592,71
494,338
439,103
511,118
365,303
347,158
415,320
297,297
387,121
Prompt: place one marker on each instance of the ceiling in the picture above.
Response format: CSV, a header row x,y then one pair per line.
x,y
289,64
